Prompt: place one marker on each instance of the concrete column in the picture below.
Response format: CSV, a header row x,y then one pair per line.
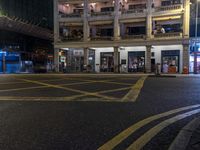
x,y
149,19
86,56
186,56
86,28
56,59
116,21
148,59
186,18
116,59
56,21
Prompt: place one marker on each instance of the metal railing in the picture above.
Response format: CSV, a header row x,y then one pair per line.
x,y
142,36
168,35
101,38
134,11
73,15
71,39
95,14
168,8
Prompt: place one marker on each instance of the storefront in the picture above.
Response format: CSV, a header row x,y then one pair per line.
x,y
72,60
136,61
170,61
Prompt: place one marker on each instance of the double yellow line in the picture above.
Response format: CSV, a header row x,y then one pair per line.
x,y
146,137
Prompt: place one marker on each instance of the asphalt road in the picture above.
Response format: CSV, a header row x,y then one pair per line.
x,y
62,112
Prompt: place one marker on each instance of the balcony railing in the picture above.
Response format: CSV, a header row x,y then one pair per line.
x,y
95,14
101,38
168,35
134,11
168,8
142,36
71,39
74,15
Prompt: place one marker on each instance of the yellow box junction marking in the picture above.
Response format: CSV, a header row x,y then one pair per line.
x,y
68,89
145,138
127,132
133,94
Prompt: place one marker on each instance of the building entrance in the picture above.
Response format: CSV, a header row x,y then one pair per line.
x,y
197,62
136,61
107,62
72,60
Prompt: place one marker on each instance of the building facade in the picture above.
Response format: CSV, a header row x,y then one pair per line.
x,y
121,35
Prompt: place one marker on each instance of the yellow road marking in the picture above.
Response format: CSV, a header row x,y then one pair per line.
x,y
11,83
25,88
68,89
144,139
133,94
114,90
127,132
115,82
21,98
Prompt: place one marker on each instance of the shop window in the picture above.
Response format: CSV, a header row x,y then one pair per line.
x,y
170,61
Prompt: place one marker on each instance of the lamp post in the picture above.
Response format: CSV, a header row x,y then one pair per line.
x,y
196,35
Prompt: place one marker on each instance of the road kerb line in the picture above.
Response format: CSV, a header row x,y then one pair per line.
x,y
133,94
130,130
145,138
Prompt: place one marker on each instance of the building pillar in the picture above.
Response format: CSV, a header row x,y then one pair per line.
x,y
116,20
86,28
116,59
148,59
86,56
186,18
149,19
56,21
186,56
56,59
